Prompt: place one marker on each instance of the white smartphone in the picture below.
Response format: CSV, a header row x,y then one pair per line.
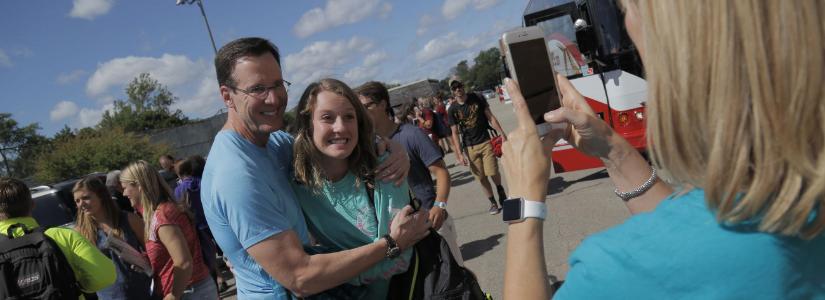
x,y
528,63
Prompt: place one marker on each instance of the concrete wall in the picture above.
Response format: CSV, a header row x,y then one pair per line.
x,y
405,93
191,139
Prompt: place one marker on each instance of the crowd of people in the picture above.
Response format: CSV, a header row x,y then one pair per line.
x,y
333,208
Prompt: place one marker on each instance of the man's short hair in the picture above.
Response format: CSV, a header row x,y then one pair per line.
x,y
229,54
15,199
376,92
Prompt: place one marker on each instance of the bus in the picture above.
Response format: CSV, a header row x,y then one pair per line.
x,y
588,43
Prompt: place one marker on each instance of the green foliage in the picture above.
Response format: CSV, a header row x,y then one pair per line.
x,y
485,74
19,146
145,109
94,151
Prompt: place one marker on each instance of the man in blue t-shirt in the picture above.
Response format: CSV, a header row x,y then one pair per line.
x,y
426,159
247,199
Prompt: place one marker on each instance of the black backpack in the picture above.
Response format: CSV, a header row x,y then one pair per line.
x,y
33,267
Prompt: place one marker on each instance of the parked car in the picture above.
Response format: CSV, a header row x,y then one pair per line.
x,y
54,204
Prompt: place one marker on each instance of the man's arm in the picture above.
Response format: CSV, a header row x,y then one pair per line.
x,y
456,146
442,191
282,256
494,122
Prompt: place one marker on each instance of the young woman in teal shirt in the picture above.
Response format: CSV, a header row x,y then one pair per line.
x,y
334,158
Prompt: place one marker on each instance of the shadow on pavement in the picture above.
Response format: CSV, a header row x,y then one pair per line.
x,y
460,178
557,184
478,247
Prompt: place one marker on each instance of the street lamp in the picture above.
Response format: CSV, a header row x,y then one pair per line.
x,y
200,4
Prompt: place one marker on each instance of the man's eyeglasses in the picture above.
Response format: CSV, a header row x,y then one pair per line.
x,y
456,87
261,92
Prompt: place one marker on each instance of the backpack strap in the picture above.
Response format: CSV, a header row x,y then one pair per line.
x,y
369,184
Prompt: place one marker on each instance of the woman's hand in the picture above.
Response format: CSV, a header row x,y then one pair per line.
x,y
585,131
526,158
396,166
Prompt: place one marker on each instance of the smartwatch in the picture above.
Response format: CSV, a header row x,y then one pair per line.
x,y
516,210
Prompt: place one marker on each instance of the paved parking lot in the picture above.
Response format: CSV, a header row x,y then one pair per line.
x,y
580,203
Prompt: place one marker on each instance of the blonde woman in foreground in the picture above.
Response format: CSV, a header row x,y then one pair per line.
x,y
736,123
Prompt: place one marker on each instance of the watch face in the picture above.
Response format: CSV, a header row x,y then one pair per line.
x,y
511,210
393,252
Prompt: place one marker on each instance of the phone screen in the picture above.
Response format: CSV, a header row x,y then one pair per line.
x,y
535,77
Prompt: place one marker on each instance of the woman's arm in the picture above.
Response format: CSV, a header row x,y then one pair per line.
x,y
136,224
527,169
592,136
173,239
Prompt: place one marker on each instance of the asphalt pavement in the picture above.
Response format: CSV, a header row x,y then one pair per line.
x,y
579,203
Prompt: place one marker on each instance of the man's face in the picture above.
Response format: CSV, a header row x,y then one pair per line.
x,y
376,110
260,116
458,90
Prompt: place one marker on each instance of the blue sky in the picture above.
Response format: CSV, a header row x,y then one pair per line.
x,y
64,62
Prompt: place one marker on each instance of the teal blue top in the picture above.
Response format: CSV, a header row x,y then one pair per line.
x,y
340,217
680,251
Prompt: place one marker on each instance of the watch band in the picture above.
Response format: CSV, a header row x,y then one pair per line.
x,y
534,209
392,247
442,205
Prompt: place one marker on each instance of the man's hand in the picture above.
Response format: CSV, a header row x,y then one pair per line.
x,y
395,168
437,216
460,158
408,227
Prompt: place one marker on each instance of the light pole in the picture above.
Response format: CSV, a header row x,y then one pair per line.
x,y
200,4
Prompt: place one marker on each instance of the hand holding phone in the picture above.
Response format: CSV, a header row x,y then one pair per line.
x,y
528,63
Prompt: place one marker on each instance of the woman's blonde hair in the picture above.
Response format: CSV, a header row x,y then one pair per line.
x,y
307,161
736,106
87,225
153,190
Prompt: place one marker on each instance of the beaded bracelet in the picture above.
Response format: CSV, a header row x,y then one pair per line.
x,y
626,196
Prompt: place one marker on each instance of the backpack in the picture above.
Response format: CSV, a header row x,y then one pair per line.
x,y
33,267
433,272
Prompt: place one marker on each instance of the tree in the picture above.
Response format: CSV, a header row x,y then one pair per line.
x,y
485,72
95,151
462,71
18,146
146,108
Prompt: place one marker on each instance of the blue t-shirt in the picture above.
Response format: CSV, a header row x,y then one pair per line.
x,y
423,152
680,251
247,198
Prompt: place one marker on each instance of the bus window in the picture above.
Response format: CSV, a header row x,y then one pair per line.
x,y
562,46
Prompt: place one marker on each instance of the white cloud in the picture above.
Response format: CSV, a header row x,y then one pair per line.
x,y
453,8
171,70
444,46
89,117
66,78
206,100
5,61
339,12
424,24
323,58
90,9
368,70
192,81
386,8
63,110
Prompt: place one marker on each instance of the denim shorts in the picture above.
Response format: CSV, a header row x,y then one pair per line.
x,y
201,290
